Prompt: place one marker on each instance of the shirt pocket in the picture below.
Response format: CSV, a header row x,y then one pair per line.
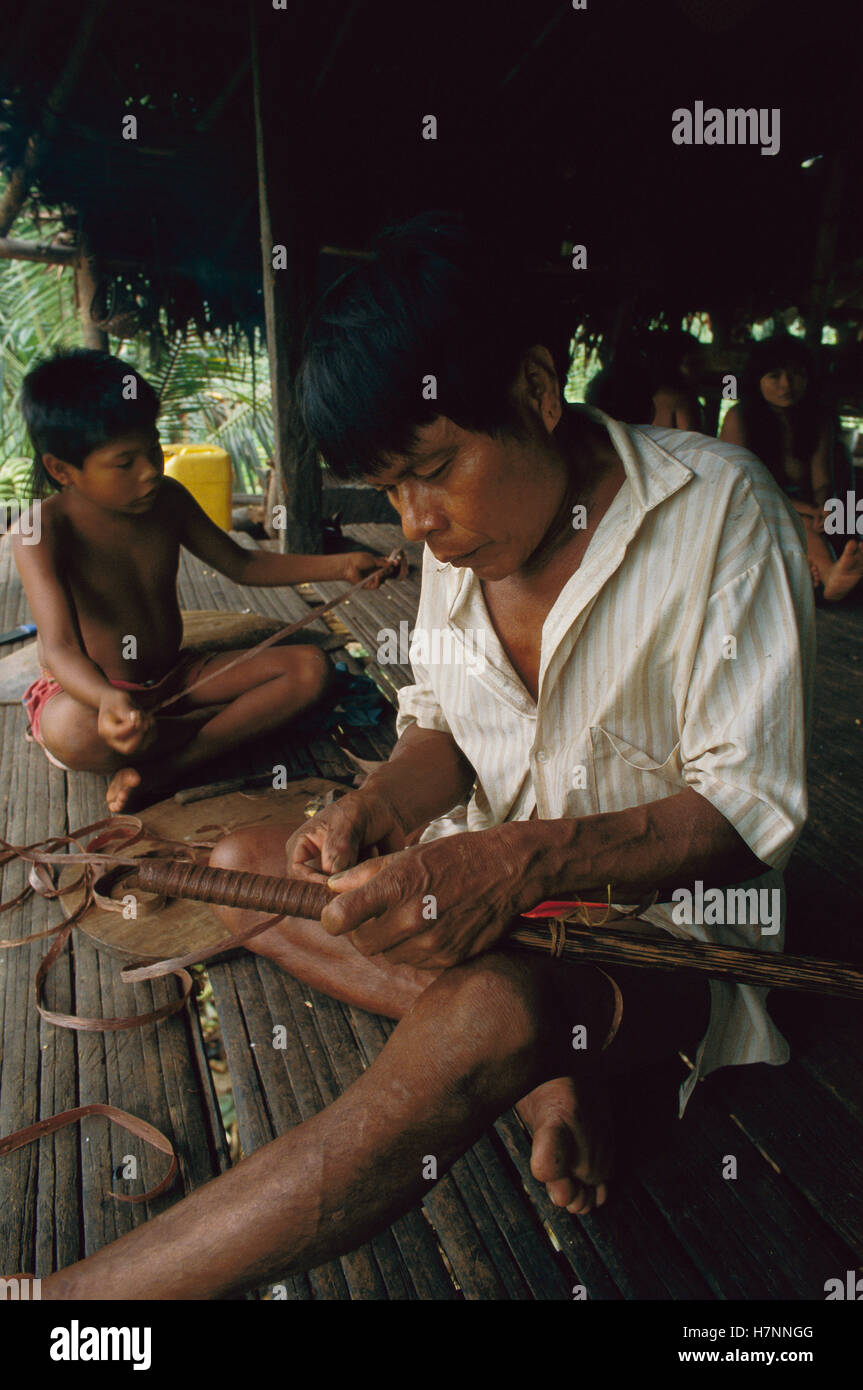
x,y
624,775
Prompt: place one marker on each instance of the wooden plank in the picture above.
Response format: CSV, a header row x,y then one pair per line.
x,y
364,616
39,1186
751,1236
514,1245
625,1248
780,1110
366,1277
248,1038
826,1039
149,1071
253,1115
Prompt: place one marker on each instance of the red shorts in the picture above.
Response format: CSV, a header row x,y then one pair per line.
x,y
182,674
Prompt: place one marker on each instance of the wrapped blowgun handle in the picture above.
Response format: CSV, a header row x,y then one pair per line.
x,y
296,898
232,888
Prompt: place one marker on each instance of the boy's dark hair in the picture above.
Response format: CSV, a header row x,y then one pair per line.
x,y
75,402
433,302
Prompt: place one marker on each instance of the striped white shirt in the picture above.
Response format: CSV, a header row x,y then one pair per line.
x,y
679,654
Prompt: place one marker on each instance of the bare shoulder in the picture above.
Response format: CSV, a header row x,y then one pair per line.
x,y
39,528
170,488
175,501
733,431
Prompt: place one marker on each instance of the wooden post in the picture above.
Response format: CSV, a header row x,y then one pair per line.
x,y
86,283
285,220
825,250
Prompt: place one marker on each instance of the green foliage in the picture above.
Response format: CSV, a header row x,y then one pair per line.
x,y
212,391
37,316
584,364
213,394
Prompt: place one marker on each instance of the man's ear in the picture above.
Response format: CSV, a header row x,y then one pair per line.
x,y
542,385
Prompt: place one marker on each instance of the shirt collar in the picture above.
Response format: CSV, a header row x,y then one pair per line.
x,y
653,475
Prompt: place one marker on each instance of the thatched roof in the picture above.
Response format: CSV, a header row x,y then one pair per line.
x,y
554,125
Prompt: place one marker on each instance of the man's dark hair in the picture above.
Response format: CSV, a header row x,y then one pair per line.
x,y
75,402
433,302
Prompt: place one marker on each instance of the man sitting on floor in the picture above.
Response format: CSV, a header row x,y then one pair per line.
x,y
638,725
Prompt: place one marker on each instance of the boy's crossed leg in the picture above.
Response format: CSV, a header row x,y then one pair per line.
x,y
252,699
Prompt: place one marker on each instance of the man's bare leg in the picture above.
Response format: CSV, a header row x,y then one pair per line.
x,y
571,1127
481,1035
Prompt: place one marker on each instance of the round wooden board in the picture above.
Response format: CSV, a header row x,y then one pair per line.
x,y
181,925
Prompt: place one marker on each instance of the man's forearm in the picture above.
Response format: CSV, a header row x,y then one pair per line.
x,y
427,774
662,845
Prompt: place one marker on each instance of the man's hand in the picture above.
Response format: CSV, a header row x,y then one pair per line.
x,y
122,724
433,905
354,827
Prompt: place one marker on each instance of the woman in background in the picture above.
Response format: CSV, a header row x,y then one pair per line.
x,y
780,419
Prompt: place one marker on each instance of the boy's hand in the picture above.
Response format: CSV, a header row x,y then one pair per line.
x,y
358,563
122,725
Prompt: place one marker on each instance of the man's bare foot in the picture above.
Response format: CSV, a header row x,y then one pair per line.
x,y
572,1142
847,572
121,789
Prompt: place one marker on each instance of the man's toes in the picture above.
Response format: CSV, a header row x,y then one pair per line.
x,y
582,1204
553,1154
564,1191
556,1161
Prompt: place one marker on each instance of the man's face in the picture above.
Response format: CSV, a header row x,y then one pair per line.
x,y
121,476
476,501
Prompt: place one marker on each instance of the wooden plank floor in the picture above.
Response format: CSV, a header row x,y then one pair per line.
x,y
675,1227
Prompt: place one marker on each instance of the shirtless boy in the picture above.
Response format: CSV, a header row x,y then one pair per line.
x,y
101,584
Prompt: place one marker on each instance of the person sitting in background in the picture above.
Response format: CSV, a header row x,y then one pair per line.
x,y
675,362
780,418
622,390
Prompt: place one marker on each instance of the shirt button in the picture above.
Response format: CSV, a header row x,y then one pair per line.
x,y
541,755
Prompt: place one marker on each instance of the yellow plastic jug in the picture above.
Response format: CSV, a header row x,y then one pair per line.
x,y
207,473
